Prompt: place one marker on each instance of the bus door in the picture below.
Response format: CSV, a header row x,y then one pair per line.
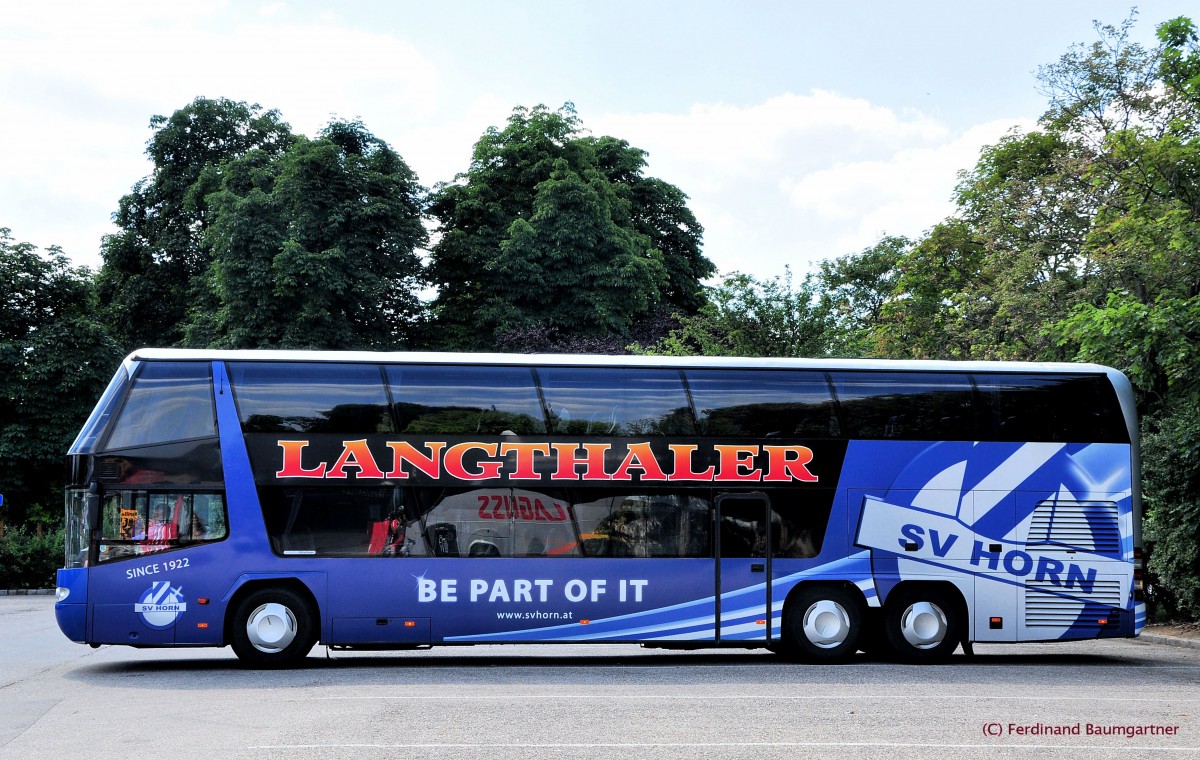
x,y
743,567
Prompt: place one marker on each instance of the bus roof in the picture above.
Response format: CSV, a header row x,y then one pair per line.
x,y
607,360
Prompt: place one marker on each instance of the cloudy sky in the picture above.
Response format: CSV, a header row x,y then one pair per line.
x,y
800,130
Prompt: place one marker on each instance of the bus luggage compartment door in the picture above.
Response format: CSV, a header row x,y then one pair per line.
x,y
743,568
380,631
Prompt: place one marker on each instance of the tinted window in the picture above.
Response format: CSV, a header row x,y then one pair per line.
x,y
1067,408
923,407
645,525
799,519
169,401
763,404
743,527
102,414
338,522
465,400
311,398
135,523
497,522
611,402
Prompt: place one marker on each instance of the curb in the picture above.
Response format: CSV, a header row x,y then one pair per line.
x,y
1173,641
27,592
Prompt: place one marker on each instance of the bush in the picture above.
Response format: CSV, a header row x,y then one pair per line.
x,y
1171,479
28,560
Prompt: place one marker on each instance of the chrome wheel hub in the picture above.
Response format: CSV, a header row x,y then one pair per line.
x,y
826,624
271,628
924,625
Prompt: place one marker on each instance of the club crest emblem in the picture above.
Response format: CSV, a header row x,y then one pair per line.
x,y
161,605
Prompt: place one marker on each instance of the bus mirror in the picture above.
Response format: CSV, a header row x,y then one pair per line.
x,y
91,506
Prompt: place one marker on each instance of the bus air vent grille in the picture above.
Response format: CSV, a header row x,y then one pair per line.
x,y
1054,606
1082,525
108,469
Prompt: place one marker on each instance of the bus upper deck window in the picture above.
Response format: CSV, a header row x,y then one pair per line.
x,y
310,398
169,401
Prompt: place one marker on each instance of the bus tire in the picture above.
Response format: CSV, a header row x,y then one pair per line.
x,y
273,628
922,624
822,624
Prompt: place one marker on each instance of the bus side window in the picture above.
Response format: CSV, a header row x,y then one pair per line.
x,y
170,401
610,401
645,525
907,406
763,403
364,521
1065,408
465,400
135,523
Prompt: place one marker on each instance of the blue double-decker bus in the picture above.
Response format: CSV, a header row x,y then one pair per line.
x,y
271,500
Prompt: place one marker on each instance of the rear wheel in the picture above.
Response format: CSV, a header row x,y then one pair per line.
x,y
822,624
273,628
922,624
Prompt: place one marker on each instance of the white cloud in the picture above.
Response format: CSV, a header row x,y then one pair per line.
x,y
441,148
80,82
736,140
799,178
788,180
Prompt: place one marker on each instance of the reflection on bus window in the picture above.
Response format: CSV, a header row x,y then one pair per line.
x,y
764,403
1052,408
305,398
798,522
133,523
645,525
498,522
171,401
911,406
465,400
613,402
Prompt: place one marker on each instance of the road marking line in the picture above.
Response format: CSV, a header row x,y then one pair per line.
x,y
756,697
701,745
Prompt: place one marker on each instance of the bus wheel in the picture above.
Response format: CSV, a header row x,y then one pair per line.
x,y
822,624
273,628
921,625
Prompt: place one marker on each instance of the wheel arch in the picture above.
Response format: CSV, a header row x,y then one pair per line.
x,y
845,585
250,586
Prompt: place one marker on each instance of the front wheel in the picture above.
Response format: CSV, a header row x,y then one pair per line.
x,y
922,625
273,628
822,624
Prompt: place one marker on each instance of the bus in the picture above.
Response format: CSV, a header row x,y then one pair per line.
x,y
271,500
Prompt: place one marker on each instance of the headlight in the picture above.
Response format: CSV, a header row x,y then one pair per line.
x,y
61,593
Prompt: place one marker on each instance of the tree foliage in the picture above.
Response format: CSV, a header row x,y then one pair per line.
x,y
749,317
1079,240
552,228
55,359
151,276
314,247
246,235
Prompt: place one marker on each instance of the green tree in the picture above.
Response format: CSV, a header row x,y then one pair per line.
x,y
554,229
1127,203
151,276
854,291
314,247
745,316
55,360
